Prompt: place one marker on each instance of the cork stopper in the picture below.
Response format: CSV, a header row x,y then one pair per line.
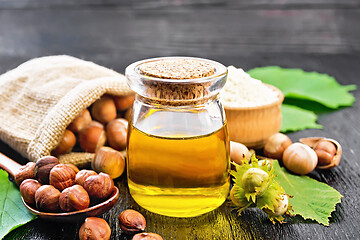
x,y
177,69
176,81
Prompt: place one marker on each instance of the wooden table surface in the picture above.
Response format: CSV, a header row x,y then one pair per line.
x,y
317,35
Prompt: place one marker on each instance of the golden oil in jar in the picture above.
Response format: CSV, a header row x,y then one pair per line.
x,y
178,175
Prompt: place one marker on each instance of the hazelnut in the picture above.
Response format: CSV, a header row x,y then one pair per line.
x,y
62,176
109,161
128,114
124,102
104,109
82,175
132,221
238,152
43,167
300,158
92,137
99,186
94,229
25,172
80,122
27,190
73,167
147,236
47,198
325,151
74,198
275,145
66,144
116,132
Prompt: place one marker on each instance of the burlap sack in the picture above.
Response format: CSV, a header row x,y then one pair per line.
x,y
41,97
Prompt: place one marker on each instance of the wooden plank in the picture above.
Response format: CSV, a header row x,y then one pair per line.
x,y
166,4
104,34
224,223
323,40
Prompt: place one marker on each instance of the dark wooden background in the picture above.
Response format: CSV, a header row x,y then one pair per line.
x,y
316,35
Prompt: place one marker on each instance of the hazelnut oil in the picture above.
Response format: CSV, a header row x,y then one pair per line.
x,y
178,175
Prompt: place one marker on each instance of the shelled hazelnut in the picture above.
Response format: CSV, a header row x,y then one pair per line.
x,y
328,150
325,151
132,221
73,167
94,229
66,144
62,176
99,186
25,172
82,175
147,236
92,137
116,132
74,198
47,198
109,161
27,190
104,109
43,167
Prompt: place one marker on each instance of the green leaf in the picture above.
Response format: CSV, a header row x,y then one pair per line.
x,y
295,118
296,83
311,199
12,211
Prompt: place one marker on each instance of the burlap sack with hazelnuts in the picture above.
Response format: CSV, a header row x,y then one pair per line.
x,y
41,97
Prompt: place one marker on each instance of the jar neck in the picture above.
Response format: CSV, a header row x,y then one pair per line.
x,y
176,103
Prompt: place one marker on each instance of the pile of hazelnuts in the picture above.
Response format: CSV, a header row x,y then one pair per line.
x,y
50,186
103,123
300,157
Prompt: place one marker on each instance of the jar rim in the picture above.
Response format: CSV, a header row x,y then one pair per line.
x,y
133,71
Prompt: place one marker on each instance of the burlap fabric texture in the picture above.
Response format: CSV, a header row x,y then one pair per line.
x,y
41,97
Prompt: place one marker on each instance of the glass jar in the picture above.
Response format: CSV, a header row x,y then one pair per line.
x,y
178,145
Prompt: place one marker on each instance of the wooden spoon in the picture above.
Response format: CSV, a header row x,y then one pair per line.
x,y
12,167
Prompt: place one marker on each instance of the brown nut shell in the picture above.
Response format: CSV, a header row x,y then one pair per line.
x,y
300,158
66,144
104,109
92,137
99,186
25,172
132,221
275,145
74,198
314,141
62,176
238,152
124,102
43,167
80,122
109,161
82,175
94,229
116,132
28,189
47,198
147,236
